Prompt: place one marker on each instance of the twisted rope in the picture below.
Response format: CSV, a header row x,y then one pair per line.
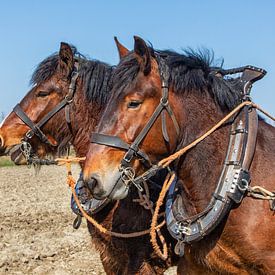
x,y
71,182
144,200
258,192
163,254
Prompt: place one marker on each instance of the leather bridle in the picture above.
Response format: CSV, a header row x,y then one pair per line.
x,y
133,150
35,128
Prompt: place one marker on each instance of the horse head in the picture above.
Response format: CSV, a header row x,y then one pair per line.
x,y
138,91
51,81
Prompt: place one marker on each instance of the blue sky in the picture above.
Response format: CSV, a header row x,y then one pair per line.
x,y
242,32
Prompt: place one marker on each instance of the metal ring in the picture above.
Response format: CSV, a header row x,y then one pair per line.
x,y
68,100
246,184
164,103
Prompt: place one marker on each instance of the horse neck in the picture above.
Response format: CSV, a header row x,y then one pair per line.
x,y
200,168
85,116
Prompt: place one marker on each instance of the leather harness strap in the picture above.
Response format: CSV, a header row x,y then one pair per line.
x,y
116,142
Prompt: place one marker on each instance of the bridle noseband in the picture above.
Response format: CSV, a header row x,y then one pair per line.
x,y
35,128
133,149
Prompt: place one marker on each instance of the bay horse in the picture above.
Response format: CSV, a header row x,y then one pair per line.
x,y
51,83
243,241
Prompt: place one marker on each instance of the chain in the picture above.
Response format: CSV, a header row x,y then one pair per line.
x,y
31,158
128,176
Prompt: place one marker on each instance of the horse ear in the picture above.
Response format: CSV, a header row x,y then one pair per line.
x,y
142,51
122,51
66,59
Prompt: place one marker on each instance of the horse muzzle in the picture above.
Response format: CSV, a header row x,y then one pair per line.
x,y
109,186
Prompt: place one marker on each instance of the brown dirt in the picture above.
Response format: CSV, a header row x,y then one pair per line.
x,y
36,234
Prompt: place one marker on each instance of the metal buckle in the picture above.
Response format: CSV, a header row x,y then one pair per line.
x,y
29,134
26,150
245,186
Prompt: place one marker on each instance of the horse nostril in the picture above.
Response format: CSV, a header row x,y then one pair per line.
x,y
91,184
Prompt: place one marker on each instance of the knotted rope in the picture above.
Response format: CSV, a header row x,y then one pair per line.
x,y
258,192
71,182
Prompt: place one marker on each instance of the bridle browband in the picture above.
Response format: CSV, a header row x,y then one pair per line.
x,y
133,149
35,128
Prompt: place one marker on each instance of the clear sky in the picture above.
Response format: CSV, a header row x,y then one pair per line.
x,y
240,31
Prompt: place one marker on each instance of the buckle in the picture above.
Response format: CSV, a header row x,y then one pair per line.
x,y
29,134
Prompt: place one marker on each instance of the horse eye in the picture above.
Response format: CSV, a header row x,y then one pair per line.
x,y
42,94
134,104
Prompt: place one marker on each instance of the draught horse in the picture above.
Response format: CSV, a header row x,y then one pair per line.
x,y
186,105
64,105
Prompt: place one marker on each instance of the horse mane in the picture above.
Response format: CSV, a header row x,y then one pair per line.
x,y
190,71
95,75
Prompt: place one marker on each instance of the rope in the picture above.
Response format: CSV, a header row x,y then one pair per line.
x,y
164,253
259,192
64,161
71,182
166,161
144,200
263,111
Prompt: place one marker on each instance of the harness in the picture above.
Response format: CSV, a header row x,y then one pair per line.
x,y
233,182
133,150
35,128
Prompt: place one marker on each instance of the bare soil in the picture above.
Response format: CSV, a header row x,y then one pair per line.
x,y
36,233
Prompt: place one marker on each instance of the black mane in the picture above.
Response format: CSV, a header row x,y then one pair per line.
x,y
189,72
95,75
